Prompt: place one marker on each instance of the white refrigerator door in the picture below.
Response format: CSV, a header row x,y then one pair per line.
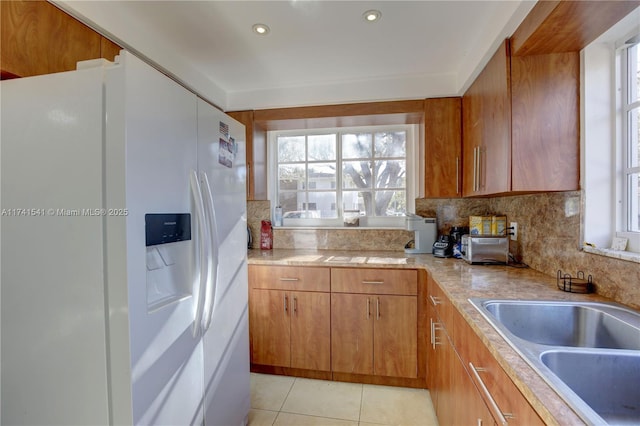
x,y
151,150
221,163
54,355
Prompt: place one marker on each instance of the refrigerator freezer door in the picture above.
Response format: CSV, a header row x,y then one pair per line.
x,y
54,355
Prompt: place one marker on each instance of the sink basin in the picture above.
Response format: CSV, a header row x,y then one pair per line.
x,y
591,325
588,352
610,389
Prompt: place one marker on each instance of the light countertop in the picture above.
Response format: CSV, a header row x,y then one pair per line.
x,y
461,281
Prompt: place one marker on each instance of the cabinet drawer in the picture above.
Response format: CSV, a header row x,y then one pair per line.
x,y
374,281
302,278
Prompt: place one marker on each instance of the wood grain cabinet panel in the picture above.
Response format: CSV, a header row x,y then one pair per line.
x,y
270,328
374,281
443,147
464,378
374,321
38,38
545,122
487,128
310,330
351,334
289,317
521,125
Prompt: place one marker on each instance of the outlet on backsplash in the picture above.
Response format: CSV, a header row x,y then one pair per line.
x,y
513,231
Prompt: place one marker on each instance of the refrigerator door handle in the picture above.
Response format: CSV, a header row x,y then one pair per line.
x,y
204,253
213,229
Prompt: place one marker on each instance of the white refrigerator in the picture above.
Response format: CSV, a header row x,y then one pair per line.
x,y
123,251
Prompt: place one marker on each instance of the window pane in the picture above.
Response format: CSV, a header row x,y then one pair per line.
x,y
356,145
291,149
634,202
322,147
322,205
322,176
634,73
391,144
391,174
634,137
359,200
291,177
357,174
391,203
292,204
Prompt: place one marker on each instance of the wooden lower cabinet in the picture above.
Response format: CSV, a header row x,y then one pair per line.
x,y
289,317
291,329
374,334
464,378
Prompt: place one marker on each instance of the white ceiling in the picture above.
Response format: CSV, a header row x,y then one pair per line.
x,y
318,51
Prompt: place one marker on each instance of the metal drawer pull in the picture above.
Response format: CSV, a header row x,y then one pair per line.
x,y
434,300
435,326
493,406
372,282
289,279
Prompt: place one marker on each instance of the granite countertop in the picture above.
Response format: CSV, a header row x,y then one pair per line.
x,y
461,281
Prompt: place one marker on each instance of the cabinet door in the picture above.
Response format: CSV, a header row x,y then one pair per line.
x,y
269,326
395,336
443,147
487,128
352,333
546,122
310,331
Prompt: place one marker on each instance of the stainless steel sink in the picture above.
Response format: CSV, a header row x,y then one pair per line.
x,y
590,325
589,353
612,387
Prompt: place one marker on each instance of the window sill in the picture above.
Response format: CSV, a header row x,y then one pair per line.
x,y
616,254
364,228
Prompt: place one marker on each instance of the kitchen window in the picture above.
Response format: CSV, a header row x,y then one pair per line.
x,y
362,176
610,140
630,96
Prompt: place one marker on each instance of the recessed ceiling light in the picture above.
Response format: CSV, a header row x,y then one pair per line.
x,y
372,15
261,29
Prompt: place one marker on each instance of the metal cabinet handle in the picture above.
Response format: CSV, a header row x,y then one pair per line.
x,y
368,308
289,279
434,300
493,406
457,175
475,169
479,168
285,304
373,282
435,326
377,308
295,305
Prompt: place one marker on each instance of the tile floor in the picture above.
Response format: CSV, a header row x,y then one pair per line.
x,y
281,400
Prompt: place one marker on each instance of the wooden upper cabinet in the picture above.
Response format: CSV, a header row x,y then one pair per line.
x,y
443,147
487,128
38,38
545,122
521,125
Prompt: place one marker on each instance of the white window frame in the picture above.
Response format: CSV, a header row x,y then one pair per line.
x,y
629,195
604,142
412,178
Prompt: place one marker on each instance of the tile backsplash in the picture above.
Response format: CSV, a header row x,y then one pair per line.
x,y
548,240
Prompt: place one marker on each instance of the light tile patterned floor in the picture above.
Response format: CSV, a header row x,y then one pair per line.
x,y
281,400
